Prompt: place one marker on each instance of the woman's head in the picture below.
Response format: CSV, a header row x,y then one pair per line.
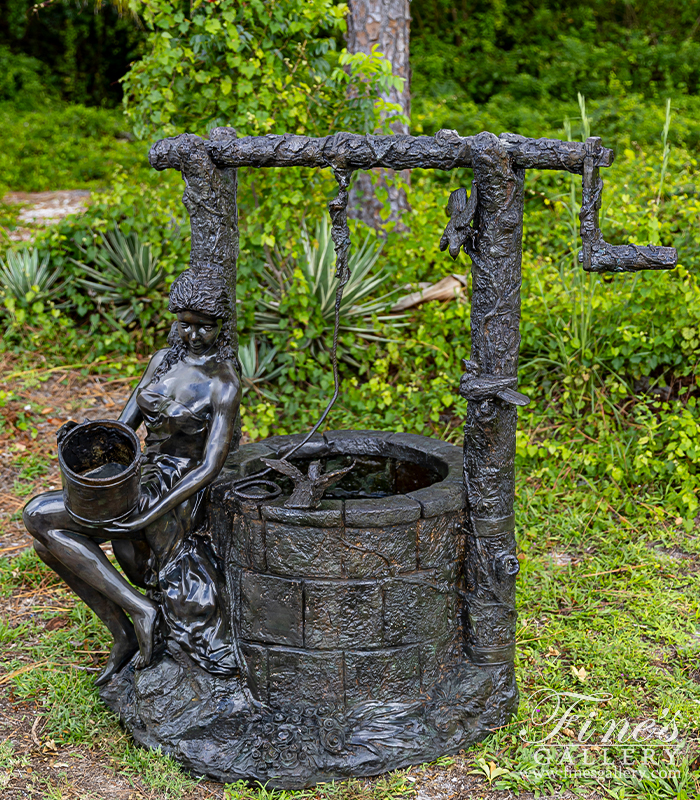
x,y
202,292
201,301
198,331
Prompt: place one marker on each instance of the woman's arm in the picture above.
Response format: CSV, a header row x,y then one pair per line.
x,y
225,402
131,414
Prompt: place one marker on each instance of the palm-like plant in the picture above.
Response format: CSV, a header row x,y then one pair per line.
x,y
125,270
256,360
318,268
25,275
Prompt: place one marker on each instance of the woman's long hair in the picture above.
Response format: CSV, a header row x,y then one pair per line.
x,y
203,292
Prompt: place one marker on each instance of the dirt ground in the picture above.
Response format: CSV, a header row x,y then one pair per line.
x,y
44,208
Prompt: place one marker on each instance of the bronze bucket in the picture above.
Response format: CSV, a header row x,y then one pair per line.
x,y
100,463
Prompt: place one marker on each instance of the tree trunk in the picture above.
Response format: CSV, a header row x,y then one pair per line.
x,y
385,23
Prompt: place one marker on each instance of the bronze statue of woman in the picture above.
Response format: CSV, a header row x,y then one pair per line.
x,y
188,400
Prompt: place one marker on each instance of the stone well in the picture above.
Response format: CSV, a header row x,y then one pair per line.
x,y
357,600
350,621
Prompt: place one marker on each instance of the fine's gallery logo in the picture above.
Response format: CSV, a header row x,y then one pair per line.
x,y
574,733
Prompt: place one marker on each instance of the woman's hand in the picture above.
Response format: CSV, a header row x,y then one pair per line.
x,y
125,526
65,429
130,524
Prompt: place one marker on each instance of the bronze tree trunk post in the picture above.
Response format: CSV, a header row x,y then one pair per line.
x,y
489,431
210,198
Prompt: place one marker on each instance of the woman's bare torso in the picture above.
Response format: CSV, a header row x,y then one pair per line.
x,y
177,409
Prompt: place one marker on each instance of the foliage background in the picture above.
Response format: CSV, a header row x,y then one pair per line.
x,y
628,344
68,50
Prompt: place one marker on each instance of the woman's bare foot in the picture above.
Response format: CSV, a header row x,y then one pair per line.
x,y
120,653
144,624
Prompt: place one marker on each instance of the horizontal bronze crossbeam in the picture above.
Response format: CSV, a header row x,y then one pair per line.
x,y
347,151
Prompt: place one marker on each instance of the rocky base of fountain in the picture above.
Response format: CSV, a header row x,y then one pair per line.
x,y
212,728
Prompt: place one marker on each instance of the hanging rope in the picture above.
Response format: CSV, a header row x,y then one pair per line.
x,y
340,232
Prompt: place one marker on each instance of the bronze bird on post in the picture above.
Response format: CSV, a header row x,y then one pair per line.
x,y
309,488
461,208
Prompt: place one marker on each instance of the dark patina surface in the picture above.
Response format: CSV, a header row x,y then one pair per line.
x,y
350,618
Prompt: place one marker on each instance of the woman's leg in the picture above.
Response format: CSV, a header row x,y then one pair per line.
x,y
101,586
133,557
112,615
84,557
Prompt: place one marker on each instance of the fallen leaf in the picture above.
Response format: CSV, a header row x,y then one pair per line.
x,y
580,673
47,410
568,732
56,622
553,651
35,737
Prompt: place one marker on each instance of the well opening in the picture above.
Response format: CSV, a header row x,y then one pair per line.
x,y
371,476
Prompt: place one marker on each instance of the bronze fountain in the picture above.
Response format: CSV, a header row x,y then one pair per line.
x,y
328,604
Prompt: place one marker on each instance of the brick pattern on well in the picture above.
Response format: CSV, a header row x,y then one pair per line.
x,y
347,613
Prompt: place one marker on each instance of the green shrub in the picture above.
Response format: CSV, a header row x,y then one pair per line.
x,y
83,48
260,364
24,81
521,64
267,67
264,67
302,292
25,277
65,147
126,280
